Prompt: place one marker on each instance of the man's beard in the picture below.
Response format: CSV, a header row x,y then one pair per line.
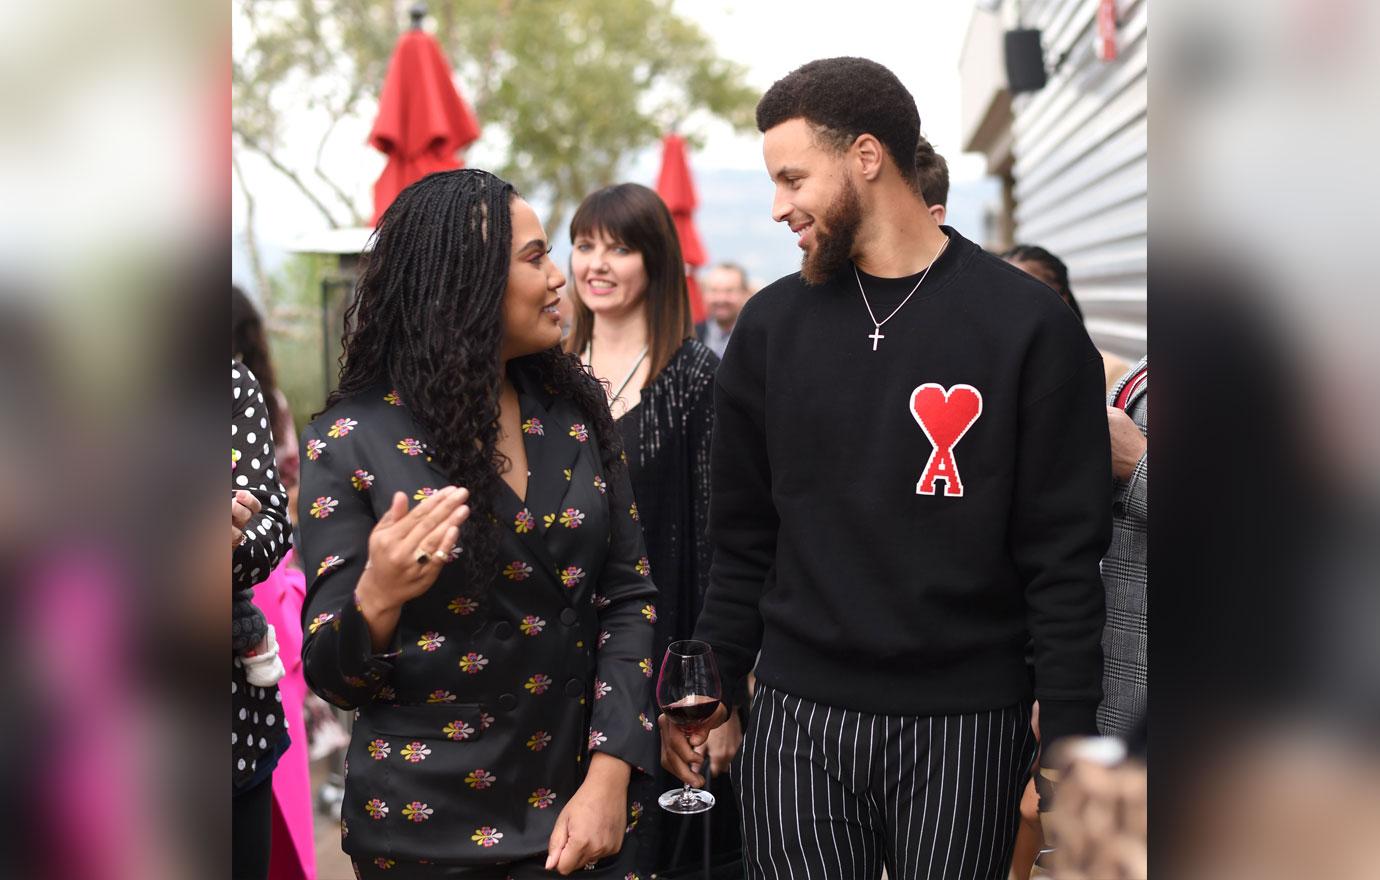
x,y
834,249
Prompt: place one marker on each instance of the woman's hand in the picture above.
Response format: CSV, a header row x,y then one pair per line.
x,y
592,824
683,756
243,508
1128,443
407,550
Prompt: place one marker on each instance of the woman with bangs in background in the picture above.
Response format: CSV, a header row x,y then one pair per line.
x,y
632,328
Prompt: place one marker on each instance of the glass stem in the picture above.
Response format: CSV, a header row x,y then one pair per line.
x,y
686,798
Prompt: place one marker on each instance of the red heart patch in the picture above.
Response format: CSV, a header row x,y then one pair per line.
x,y
944,416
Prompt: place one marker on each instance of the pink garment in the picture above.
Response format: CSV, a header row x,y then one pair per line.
x,y
293,856
285,449
76,599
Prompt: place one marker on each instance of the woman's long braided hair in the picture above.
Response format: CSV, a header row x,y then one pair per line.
x,y
427,321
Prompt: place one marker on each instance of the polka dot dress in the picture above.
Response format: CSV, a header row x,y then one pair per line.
x,y
257,725
252,469
257,722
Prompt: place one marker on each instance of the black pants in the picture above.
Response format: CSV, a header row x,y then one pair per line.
x,y
251,831
831,794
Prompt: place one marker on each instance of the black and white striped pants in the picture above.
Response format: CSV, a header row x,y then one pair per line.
x,y
830,794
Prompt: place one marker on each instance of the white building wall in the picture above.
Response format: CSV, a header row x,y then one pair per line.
x,y
1079,148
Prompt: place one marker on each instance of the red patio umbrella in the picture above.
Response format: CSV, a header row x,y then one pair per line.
x,y
423,122
677,190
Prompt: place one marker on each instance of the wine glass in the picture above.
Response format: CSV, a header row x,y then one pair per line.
x,y
687,690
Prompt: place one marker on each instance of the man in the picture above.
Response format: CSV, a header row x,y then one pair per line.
x,y
725,293
895,512
932,178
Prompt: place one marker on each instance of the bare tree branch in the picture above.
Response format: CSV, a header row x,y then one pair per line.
x,y
251,242
252,143
320,172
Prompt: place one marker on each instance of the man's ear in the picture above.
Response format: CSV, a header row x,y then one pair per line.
x,y
938,212
869,155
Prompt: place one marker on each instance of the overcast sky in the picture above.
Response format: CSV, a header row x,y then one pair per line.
x,y
919,40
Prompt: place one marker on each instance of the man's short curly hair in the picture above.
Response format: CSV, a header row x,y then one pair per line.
x,y
931,174
843,98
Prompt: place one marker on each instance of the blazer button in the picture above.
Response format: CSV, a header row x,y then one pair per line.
x,y
569,616
507,702
503,630
574,688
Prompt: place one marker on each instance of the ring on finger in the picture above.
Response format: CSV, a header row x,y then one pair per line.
x,y
423,556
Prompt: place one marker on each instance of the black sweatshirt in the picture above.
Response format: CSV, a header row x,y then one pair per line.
x,y
879,570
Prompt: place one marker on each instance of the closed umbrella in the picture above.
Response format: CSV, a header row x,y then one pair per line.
x,y
677,190
422,122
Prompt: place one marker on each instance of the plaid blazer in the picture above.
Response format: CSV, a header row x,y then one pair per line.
x,y
1125,575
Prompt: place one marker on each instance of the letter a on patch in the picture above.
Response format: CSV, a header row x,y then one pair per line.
x,y
944,416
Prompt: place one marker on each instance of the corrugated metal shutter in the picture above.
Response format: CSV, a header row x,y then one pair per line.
x,y
1080,165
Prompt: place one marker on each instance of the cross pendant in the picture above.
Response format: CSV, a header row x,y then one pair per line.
x,y
877,336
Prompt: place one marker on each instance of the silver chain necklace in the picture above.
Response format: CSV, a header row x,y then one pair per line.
x,y
589,362
877,336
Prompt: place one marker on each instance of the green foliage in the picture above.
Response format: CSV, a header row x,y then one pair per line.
x,y
567,90
295,333
581,84
571,87
303,53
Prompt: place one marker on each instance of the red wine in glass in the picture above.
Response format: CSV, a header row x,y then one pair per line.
x,y
691,712
688,691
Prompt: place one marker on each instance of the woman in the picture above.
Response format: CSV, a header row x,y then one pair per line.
x,y
632,328
502,676
280,599
1040,263
258,541
249,346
